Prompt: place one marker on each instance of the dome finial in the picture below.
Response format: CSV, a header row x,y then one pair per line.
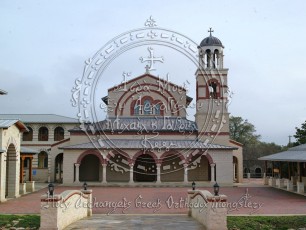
x,y
210,31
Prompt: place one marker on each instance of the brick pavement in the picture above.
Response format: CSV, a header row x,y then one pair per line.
x,y
274,201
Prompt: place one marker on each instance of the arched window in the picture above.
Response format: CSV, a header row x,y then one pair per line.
x,y
43,134
28,136
136,109
42,160
147,107
58,133
157,109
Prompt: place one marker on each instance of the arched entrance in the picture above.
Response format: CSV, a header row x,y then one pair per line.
x,y
199,168
117,168
58,168
172,168
90,168
12,173
258,172
145,169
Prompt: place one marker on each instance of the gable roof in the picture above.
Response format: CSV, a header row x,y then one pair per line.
x,y
146,75
6,123
294,154
39,118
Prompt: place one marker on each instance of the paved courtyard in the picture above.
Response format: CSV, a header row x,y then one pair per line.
x,y
169,200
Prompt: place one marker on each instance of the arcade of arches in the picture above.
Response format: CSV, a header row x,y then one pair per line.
x,y
143,167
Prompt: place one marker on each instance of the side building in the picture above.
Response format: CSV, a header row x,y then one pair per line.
x,y
43,131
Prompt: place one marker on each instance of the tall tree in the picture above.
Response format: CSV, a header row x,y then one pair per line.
x,y
300,134
243,131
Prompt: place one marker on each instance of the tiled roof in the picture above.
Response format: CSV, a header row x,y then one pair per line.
x,y
148,144
295,154
143,124
6,123
39,118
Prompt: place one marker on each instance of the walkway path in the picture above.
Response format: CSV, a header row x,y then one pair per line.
x,y
259,200
146,222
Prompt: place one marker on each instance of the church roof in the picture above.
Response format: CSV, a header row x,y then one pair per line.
x,y
148,144
294,154
143,124
211,41
39,118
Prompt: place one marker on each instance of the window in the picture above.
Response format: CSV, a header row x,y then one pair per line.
x,y
43,134
59,134
136,109
147,107
42,160
157,109
28,136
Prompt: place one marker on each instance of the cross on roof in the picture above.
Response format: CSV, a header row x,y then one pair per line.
x,y
210,31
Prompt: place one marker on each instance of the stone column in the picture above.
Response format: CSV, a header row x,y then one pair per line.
x,y
77,173
212,173
104,165
158,173
21,169
186,173
131,174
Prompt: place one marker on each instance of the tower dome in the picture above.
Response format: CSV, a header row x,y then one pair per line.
x,y
211,41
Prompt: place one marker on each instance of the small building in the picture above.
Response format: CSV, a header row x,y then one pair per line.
x,y
10,151
289,165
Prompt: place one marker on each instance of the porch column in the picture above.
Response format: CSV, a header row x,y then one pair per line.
x,y
131,173
158,173
77,173
212,173
299,179
30,169
104,165
21,169
186,173
289,171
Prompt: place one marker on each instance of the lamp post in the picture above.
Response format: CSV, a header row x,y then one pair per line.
x,y
216,189
193,185
51,189
85,186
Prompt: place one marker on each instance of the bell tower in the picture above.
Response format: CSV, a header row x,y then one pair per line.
x,y
212,115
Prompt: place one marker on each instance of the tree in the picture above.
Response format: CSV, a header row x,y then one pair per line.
x,y
300,134
242,131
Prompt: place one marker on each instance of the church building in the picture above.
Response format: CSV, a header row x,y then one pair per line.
x,y
146,136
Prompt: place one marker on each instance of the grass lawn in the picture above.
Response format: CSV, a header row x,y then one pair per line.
x,y
265,222
26,221
233,222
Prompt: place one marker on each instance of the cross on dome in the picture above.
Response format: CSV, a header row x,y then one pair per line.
x,y
210,30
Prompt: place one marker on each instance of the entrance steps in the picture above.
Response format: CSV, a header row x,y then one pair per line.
x,y
128,221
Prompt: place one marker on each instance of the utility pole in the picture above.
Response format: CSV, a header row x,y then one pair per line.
x,y
289,140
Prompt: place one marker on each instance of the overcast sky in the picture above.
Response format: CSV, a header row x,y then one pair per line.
x,y
43,46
